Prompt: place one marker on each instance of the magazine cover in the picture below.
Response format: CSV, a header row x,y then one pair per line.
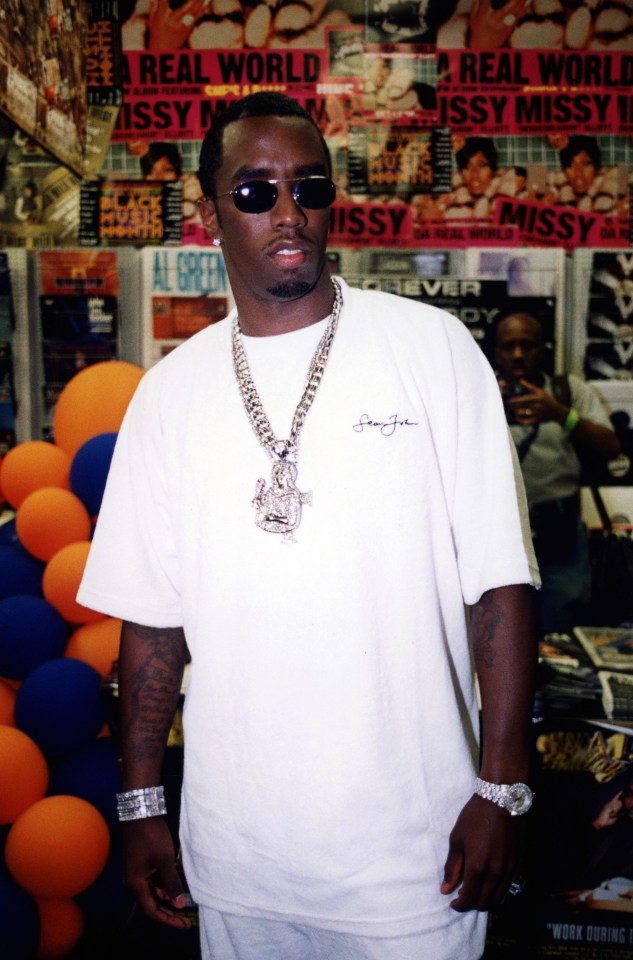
x,y
567,683
531,91
609,325
42,70
617,694
184,291
609,648
399,84
39,198
129,212
79,314
577,902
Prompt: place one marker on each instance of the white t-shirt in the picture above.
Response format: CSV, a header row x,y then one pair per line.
x,y
330,718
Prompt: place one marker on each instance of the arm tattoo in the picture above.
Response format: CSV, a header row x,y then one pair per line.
x,y
486,617
154,688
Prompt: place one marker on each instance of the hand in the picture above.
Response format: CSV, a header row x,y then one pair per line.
x,y
482,856
489,29
151,871
337,123
169,29
536,406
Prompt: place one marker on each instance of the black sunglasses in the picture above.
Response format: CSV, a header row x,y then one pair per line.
x,y
259,196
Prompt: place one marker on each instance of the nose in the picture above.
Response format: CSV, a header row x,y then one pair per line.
x,y
287,211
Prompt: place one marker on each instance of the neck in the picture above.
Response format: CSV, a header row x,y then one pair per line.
x,y
270,318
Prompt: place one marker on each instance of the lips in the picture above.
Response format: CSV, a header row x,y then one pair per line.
x,y
287,255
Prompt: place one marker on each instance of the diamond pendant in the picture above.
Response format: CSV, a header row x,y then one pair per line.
x,y
278,507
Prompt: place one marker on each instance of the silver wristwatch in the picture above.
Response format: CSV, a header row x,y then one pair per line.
x,y
516,798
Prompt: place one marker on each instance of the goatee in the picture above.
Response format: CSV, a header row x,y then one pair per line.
x,y
290,289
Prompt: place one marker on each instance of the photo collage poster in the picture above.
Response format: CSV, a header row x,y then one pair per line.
x,y
450,125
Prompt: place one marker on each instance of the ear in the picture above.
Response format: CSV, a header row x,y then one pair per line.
x,y
210,219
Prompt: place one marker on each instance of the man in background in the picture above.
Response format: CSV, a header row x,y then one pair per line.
x,y
551,435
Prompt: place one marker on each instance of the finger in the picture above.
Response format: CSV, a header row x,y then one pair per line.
x,y
179,900
169,886
158,911
453,871
481,891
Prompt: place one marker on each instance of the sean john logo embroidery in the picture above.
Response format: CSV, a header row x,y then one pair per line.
x,y
386,428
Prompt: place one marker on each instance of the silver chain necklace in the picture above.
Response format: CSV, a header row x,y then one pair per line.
x,y
278,507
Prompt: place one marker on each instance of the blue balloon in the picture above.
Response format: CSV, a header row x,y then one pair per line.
x,y
8,534
59,706
89,470
108,900
4,833
92,773
19,922
32,631
20,572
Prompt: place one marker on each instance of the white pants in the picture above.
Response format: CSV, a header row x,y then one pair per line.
x,y
224,936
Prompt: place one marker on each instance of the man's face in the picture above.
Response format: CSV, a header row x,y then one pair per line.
x,y
519,349
278,254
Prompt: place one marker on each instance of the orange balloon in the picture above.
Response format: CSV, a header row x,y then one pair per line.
x,y
31,466
94,402
57,847
23,773
49,519
97,644
61,927
62,576
7,704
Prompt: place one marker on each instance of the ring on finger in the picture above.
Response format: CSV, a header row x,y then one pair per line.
x,y
188,20
509,20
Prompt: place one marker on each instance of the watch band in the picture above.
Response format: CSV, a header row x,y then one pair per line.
x,y
516,798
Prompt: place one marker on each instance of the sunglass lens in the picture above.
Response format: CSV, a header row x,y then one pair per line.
x,y
315,193
255,196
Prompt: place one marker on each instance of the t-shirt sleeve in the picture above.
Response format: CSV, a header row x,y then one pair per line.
x,y
588,402
489,509
132,569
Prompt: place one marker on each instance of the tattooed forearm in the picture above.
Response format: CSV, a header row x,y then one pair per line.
x,y
153,676
486,618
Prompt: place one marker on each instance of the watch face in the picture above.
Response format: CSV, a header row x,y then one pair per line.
x,y
518,799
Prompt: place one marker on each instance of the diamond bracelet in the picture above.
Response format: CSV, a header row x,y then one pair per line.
x,y
142,803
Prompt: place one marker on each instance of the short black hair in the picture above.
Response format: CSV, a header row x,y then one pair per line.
x,y
475,145
526,318
157,150
576,145
254,105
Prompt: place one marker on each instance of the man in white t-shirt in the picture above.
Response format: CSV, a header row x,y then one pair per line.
x,y
551,434
309,496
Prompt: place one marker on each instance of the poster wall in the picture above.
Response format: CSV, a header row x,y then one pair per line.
x,y
450,124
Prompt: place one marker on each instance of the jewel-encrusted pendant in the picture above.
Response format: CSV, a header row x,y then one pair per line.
x,y
278,507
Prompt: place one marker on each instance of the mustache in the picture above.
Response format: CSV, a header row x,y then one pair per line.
x,y
293,236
